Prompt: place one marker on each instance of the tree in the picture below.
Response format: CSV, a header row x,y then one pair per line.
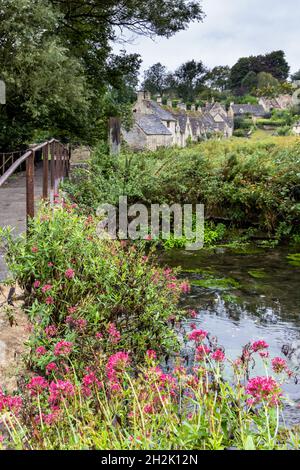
x,y
249,82
45,87
190,78
265,80
155,79
56,58
218,77
273,63
296,76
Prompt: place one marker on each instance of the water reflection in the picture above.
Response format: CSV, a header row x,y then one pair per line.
x,y
242,297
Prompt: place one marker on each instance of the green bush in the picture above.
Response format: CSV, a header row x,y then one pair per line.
x,y
65,269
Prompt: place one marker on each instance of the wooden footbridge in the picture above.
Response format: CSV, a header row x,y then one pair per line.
x,y
25,179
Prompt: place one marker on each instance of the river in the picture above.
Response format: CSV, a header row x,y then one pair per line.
x,y
243,295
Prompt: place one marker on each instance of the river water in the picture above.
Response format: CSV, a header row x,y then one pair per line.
x,y
243,295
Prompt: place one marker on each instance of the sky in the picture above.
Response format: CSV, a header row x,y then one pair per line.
x,y
230,30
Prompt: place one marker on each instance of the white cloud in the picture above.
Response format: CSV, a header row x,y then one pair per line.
x,y
231,29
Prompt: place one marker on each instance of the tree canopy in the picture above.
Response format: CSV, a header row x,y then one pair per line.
x,y
57,61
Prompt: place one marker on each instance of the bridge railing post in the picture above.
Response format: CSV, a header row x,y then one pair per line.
x,y
45,171
30,187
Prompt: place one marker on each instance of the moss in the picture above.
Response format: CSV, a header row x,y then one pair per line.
x,y
294,260
257,273
213,283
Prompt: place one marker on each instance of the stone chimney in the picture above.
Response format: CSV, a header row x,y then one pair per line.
x,y
159,100
193,107
143,95
170,103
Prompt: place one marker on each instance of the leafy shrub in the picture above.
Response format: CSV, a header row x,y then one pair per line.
x,y
71,277
246,182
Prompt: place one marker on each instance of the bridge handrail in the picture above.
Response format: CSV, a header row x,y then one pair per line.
x,y
60,156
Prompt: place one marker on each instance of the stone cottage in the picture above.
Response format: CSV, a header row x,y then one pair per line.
x,y
157,126
282,102
242,110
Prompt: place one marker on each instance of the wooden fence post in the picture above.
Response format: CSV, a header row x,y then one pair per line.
x,y
30,187
45,171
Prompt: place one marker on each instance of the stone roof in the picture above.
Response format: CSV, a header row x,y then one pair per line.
x,y
182,121
163,114
151,124
253,109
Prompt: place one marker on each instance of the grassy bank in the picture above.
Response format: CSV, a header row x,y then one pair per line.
x,y
243,183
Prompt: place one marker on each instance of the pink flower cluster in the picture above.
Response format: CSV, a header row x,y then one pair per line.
x,y
151,354
41,351
263,389
279,365
218,355
46,288
78,324
63,348
10,403
114,334
198,335
51,367
51,331
259,345
90,380
70,273
59,390
116,364
37,385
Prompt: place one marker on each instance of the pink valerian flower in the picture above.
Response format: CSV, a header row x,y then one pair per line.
x,y
193,326
115,335
259,345
263,389
198,335
37,385
10,402
36,284
151,354
149,409
172,286
59,390
41,351
192,313
46,288
99,335
50,418
185,287
49,300
279,365
89,380
70,273
51,367
77,323
202,352
116,364
148,237
218,355
72,310
34,249
50,265
63,348
51,331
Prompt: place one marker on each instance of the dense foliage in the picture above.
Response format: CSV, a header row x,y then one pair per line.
x,y
243,183
61,75
103,317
